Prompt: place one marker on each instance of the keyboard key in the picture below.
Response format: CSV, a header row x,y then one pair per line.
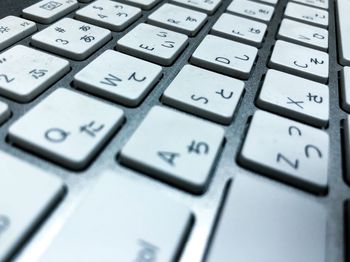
x,y
153,43
26,195
299,60
195,90
4,112
201,5
27,72
251,9
179,19
261,221
225,56
288,151
304,34
120,231
144,4
346,148
343,9
175,150
316,3
345,88
13,29
48,11
109,14
71,38
307,14
67,127
119,77
295,97
240,29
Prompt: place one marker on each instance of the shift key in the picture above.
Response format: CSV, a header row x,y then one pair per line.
x,y
122,220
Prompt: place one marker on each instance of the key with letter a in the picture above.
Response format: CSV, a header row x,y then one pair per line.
x,y
175,150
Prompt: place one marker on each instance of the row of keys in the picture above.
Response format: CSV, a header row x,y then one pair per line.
x,y
110,14
26,195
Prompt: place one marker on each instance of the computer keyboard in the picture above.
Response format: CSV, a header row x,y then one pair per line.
x,y
175,130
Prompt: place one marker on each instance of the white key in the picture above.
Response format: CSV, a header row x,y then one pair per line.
x,y
153,43
27,72
179,19
251,9
307,14
13,29
201,5
26,195
196,90
71,38
299,60
345,88
67,127
225,56
48,11
301,33
176,150
109,14
288,151
119,77
240,29
346,147
123,236
295,97
261,221
317,3
4,112
343,10
144,4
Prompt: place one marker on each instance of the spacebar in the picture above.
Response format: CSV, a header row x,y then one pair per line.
x,y
262,221
343,8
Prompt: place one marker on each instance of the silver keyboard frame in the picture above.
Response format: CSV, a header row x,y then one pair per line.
x,y
205,207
